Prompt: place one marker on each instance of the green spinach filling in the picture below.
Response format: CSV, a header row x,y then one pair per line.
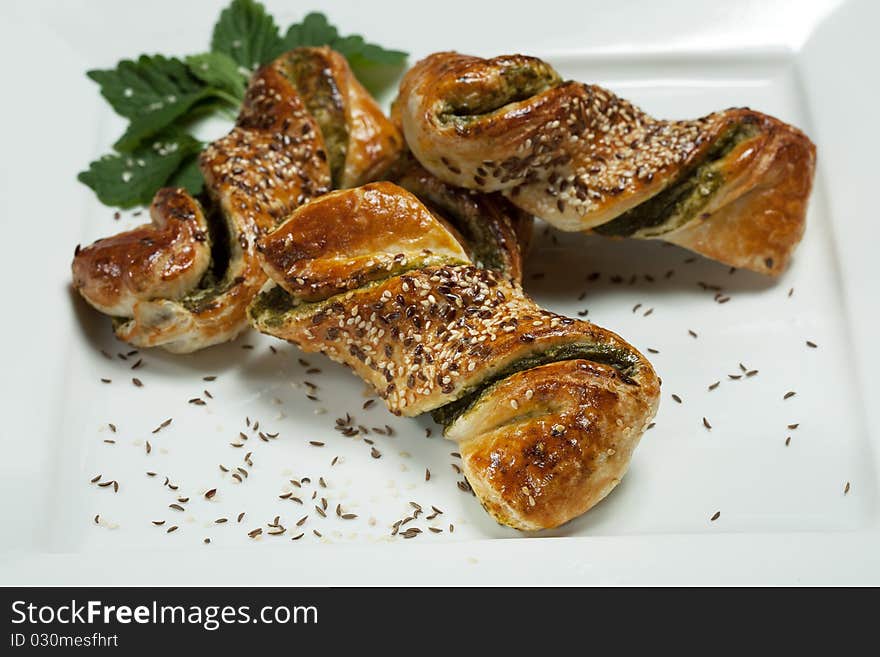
x,y
313,79
515,84
620,359
680,203
218,279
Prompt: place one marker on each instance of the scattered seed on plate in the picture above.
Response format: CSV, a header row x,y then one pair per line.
x,y
714,385
706,423
171,529
163,425
789,394
794,426
812,344
846,488
715,516
210,494
788,441
137,382
677,398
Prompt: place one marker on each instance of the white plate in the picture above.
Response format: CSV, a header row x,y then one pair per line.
x,y
784,515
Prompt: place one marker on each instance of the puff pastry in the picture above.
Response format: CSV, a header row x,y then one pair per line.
x,y
185,283
733,185
547,409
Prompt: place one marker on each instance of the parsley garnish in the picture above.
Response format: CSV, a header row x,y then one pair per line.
x,y
161,96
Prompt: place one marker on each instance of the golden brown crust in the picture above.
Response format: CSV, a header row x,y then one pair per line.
x,y
545,445
162,259
361,141
579,156
271,161
427,337
388,230
495,232
758,218
274,160
458,333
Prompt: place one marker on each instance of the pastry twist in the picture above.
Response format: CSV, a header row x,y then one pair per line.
x,y
184,282
547,410
732,186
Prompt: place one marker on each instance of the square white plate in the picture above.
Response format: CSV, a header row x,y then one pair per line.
x,y
784,515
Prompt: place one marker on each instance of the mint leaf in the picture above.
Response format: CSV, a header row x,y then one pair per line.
x,y
316,30
152,92
313,31
134,86
360,53
188,175
220,72
130,179
157,119
247,34
373,65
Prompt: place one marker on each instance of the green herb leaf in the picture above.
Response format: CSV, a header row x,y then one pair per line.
x,y
134,85
220,72
152,92
188,175
130,179
247,34
360,53
313,31
140,128
316,30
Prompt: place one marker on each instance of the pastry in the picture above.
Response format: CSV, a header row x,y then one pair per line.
x,y
732,186
547,410
305,120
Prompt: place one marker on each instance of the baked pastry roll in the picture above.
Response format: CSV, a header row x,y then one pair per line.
x,y
547,409
304,120
732,186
